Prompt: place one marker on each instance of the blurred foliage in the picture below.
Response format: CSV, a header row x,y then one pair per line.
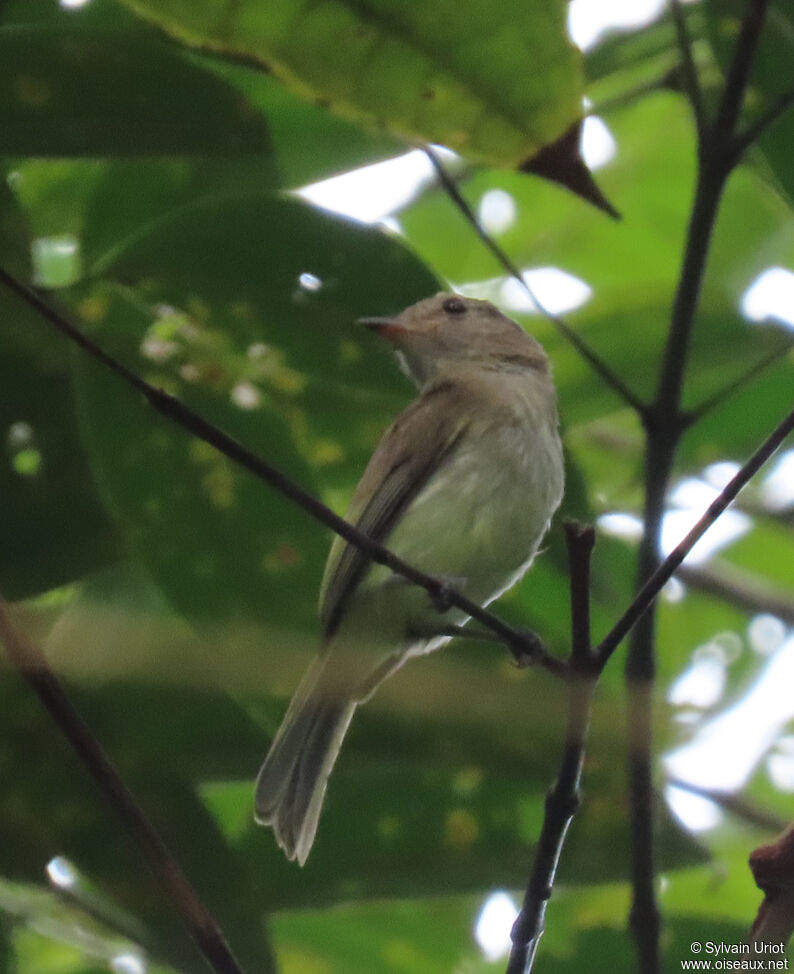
x,y
149,164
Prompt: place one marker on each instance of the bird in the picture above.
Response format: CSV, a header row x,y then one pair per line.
x,y
462,485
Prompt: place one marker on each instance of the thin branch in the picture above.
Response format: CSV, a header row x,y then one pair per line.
x,y
563,799
642,601
31,664
611,378
761,125
740,589
525,647
737,384
689,70
735,804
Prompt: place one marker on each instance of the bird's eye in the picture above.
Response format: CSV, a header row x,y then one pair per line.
x,y
454,306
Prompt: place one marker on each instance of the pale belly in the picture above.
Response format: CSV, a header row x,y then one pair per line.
x,y
478,524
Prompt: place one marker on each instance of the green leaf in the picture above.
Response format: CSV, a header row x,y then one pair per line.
x,y
68,91
212,307
494,81
307,142
53,529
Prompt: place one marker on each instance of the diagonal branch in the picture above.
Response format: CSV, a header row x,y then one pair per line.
x,y
735,804
562,801
31,664
642,601
525,646
610,377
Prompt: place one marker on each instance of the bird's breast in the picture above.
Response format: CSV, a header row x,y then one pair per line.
x,y
481,517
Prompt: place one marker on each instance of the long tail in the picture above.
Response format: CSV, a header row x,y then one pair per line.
x,y
291,784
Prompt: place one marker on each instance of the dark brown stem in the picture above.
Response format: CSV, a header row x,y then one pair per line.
x,y
31,664
524,646
562,800
664,424
599,366
644,919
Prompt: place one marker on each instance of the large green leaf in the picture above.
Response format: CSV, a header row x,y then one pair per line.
x,y
307,142
212,306
496,81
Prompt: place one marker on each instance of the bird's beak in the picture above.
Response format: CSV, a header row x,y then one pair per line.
x,y
390,328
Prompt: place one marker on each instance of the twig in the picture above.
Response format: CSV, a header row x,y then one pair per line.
x,y
31,664
642,601
611,378
761,125
737,384
524,646
741,589
690,75
562,800
734,804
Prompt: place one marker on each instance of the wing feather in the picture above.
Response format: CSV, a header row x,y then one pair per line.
x,y
419,441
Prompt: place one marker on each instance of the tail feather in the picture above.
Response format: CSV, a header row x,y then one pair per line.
x,y
292,782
